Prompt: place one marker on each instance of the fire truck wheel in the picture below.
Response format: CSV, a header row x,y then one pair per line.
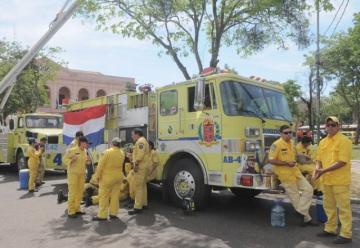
x,y
21,161
245,193
186,180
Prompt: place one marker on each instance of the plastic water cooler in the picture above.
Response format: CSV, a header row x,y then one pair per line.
x,y
24,178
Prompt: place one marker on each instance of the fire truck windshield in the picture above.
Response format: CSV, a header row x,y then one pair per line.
x,y
43,122
250,100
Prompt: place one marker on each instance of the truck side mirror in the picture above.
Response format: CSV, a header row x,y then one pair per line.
x,y
199,98
11,124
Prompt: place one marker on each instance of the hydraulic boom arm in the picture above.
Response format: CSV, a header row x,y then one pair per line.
x,y
8,82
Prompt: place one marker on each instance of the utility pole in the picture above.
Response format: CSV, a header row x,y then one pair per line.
x,y
318,69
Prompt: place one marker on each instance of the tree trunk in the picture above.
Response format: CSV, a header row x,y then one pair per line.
x,y
357,130
310,101
215,53
310,115
179,64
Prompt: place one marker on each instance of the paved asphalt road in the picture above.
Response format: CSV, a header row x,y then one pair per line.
x,y
37,221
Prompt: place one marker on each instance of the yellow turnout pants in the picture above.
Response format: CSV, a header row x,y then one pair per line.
x,y
300,193
41,171
140,188
33,171
123,194
131,182
109,193
76,183
95,199
337,197
307,170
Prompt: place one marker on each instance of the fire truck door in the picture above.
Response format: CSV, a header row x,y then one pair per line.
x,y
203,128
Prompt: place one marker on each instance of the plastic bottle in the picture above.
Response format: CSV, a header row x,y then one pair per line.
x,y
278,215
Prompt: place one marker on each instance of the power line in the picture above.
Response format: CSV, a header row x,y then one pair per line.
x,y
342,14
337,12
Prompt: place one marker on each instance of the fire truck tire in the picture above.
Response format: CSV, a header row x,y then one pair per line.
x,y
21,161
186,180
245,193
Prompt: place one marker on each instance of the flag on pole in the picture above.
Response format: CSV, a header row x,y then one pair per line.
x,y
91,121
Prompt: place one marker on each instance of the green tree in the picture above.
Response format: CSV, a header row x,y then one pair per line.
x,y
178,27
29,91
341,61
292,93
334,105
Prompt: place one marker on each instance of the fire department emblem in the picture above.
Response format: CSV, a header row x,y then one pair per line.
x,y
209,132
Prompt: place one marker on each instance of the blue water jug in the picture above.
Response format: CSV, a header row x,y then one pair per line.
x,y
320,213
278,215
24,178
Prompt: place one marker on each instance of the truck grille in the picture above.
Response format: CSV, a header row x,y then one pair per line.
x,y
53,139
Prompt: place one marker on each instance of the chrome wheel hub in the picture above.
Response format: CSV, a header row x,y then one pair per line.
x,y
184,184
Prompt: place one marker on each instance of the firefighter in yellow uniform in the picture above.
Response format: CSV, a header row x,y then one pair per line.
x,y
92,189
334,167
129,173
130,183
75,159
33,163
306,161
140,158
109,172
154,162
282,156
75,141
41,169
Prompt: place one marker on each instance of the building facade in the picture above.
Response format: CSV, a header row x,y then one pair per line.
x,y
75,85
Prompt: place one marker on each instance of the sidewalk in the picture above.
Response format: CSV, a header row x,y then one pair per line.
x,y
355,165
355,181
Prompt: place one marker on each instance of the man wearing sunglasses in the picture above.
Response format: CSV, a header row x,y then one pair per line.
x,y
333,166
282,156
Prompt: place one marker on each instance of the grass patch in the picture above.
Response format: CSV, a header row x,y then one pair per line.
x,y
355,184
355,152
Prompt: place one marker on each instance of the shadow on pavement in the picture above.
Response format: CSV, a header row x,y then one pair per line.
x,y
8,173
110,227
27,195
227,222
56,187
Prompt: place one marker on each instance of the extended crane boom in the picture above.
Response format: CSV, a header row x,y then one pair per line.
x,y
8,82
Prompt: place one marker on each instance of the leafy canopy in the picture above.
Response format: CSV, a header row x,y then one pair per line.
x,y
29,91
180,27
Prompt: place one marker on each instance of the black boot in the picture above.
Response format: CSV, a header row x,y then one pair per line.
x,y
342,240
88,202
135,211
61,197
96,218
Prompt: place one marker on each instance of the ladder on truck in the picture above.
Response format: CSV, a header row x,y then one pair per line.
x,y
8,82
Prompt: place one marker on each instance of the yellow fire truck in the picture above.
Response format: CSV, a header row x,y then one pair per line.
x,y
211,132
14,139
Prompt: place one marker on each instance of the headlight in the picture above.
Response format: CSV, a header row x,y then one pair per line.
x,y
252,145
252,131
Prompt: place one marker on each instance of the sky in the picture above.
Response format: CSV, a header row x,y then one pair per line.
x,y
85,48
